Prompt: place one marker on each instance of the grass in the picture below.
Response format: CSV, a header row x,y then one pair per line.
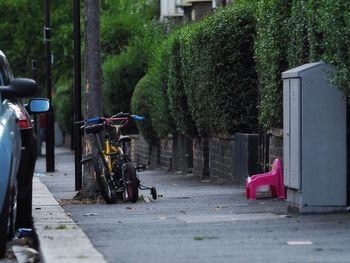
x,y
59,227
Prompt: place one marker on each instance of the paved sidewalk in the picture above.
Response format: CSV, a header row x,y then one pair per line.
x,y
60,239
192,221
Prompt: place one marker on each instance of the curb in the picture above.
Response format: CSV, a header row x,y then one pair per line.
x,y
60,238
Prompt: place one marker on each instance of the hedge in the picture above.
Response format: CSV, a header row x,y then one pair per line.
x,y
333,23
120,76
178,105
218,71
158,76
271,57
291,33
140,104
298,50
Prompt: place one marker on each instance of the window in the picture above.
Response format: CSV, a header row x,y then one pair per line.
x,y
5,72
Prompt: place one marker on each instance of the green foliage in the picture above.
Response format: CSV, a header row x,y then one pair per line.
x,y
63,101
271,57
158,73
141,104
333,24
129,37
21,35
298,48
178,105
122,21
218,71
62,44
154,85
315,37
21,40
120,76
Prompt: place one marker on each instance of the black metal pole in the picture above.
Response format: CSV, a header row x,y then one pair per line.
x,y
50,135
77,95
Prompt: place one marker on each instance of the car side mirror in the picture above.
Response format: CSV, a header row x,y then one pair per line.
x,y
19,88
38,106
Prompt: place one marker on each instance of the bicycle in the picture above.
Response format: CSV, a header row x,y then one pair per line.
x,y
115,172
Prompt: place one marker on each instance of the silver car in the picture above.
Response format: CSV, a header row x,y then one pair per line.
x,y
11,145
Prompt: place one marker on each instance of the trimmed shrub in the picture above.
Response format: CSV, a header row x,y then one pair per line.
x,y
176,91
334,25
315,36
218,71
158,74
140,104
271,57
120,76
298,50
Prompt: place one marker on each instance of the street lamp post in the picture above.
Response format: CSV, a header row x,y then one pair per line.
x,y
50,135
77,95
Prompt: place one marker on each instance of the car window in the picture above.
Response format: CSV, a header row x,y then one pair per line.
x,y
5,72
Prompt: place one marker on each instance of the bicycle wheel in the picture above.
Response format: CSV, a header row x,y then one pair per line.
x,y
104,179
132,182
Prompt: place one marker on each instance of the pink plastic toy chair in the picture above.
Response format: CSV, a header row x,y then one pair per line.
x,y
274,179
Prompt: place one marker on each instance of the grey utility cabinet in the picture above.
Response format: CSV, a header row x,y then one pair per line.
x,y
314,139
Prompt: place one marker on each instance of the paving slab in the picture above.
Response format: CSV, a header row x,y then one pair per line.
x,y
60,239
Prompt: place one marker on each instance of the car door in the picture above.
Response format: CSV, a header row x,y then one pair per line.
x,y
10,141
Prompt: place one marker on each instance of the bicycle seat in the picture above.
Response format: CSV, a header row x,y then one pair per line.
x,y
124,138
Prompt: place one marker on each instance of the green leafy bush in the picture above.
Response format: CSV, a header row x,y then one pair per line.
x,y
158,75
120,76
298,50
333,24
271,57
141,104
218,71
178,105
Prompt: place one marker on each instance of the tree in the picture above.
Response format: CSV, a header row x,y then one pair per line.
x,y
93,97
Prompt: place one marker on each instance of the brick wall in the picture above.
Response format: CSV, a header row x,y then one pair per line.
x,y
166,150
158,154
182,155
221,158
212,158
276,145
141,150
201,157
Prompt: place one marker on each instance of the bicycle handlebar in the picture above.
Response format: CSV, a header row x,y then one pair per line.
x,y
94,120
119,116
137,118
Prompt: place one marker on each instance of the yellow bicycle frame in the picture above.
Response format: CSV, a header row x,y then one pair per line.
x,y
109,149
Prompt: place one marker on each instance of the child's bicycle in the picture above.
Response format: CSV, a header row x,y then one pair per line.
x,y
115,173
